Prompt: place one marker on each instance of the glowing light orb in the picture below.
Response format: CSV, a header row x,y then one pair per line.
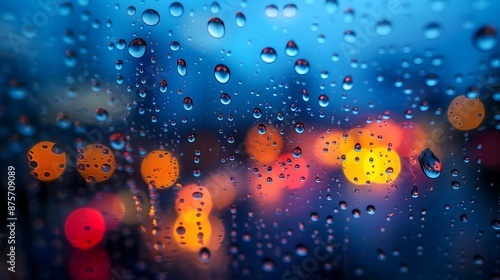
x,y
84,228
291,173
465,113
46,160
266,147
192,232
193,198
96,163
161,167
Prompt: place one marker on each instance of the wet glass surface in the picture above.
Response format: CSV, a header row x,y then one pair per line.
x,y
250,139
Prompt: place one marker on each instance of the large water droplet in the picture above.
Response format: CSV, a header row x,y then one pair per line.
x,y
430,164
331,6
188,103
347,83
137,48
150,17
240,19
291,48
176,9
101,114
290,10
302,66
299,127
383,27
225,99
297,152
271,11
268,55
432,31
204,255
222,73
216,28
323,100
181,67
485,39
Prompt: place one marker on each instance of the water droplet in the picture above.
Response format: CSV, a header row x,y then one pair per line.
x,y
437,5
163,86
176,9
301,250
485,38
151,17
131,10
137,48
430,164
302,66
268,55
101,114
191,137
291,48
225,99
323,100
216,28
331,6
350,36
290,10
180,230
268,264
262,129
257,113
299,127
432,31
117,141
314,217
297,152
204,255
478,260
187,103
356,213
414,191
370,209
455,185
347,83
271,11
222,73
181,67
383,27
240,19
495,224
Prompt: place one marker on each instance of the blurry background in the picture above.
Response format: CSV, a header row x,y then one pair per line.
x,y
241,140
